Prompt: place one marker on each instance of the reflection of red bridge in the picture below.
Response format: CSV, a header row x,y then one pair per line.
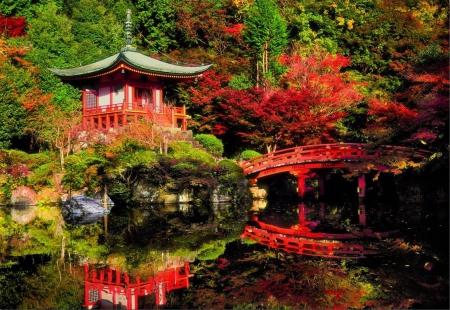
x,y
111,289
300,161
301,240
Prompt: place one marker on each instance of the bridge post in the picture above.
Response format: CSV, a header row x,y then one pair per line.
x,y
321,198
362,199
301,176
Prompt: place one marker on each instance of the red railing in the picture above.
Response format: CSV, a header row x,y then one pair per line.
x,y
305,246
322,153
117,107
115,286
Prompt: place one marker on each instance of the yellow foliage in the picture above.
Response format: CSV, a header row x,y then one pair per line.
x,y
242,4
350,24
340,20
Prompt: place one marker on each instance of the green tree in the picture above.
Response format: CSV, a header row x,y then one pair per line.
x,y
266,33
18,83
54,127
93,23
156,19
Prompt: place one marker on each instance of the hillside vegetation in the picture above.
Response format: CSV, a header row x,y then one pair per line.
x,y
284,73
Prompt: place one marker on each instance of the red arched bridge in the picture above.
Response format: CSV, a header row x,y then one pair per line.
x,y
319,157
299,161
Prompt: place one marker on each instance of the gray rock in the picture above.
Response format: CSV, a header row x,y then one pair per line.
x,y
82,210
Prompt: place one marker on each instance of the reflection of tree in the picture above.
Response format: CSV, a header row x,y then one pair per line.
x,y
47,290
264,278
11,284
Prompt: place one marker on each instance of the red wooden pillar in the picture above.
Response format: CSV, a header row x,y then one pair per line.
x,y
114,293
186,273
302,213
301,185
108,122
301,176
184,124
361,199
115,122
321,194
161,289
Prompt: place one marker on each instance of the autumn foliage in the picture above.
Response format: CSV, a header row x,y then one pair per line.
x,y
313,96
12,26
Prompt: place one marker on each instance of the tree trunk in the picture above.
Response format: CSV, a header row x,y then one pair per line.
x,y
61,158
257,73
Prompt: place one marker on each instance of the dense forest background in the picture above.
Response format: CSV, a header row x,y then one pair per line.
x,y
285,72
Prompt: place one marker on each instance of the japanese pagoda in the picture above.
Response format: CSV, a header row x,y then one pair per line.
x,y
127,87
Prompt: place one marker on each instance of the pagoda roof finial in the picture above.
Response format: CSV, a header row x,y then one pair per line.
x,y
128,29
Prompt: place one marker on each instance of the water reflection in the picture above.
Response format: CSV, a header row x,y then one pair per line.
x,y
134,254
109,288
23,214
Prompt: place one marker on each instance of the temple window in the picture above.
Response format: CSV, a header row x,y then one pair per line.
x,y
104,99
118,95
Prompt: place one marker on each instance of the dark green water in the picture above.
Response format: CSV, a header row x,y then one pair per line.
x,y
42,261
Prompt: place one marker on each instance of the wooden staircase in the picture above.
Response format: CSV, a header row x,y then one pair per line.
x,y
162,120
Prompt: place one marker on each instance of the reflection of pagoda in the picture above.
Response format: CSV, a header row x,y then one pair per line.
x,y
126,87
111,289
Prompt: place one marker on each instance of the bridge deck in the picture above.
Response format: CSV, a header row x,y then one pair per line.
x,y
321,156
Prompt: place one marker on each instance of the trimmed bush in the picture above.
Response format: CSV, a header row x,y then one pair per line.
x,y
211,143
185,151
249,154
230,166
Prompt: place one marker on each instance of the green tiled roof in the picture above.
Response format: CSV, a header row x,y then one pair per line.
x,y
135,60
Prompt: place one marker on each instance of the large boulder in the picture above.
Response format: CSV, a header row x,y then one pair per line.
x,y
101,197
82,210
23,195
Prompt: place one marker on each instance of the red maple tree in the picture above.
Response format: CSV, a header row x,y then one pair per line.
x,y
13,26
315,96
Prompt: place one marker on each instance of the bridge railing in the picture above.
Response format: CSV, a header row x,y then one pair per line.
x,y
320,153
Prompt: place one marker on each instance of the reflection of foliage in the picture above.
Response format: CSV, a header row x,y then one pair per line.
x,y
213,252
57,293
280,282
11,284
84,241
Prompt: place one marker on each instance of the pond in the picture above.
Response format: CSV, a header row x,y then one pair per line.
x,y
198,257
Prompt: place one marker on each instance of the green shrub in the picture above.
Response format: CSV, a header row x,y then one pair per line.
x,y
36,160
185,151
249,154
136,158
211,143
81,170
43,175
229,166
14,157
